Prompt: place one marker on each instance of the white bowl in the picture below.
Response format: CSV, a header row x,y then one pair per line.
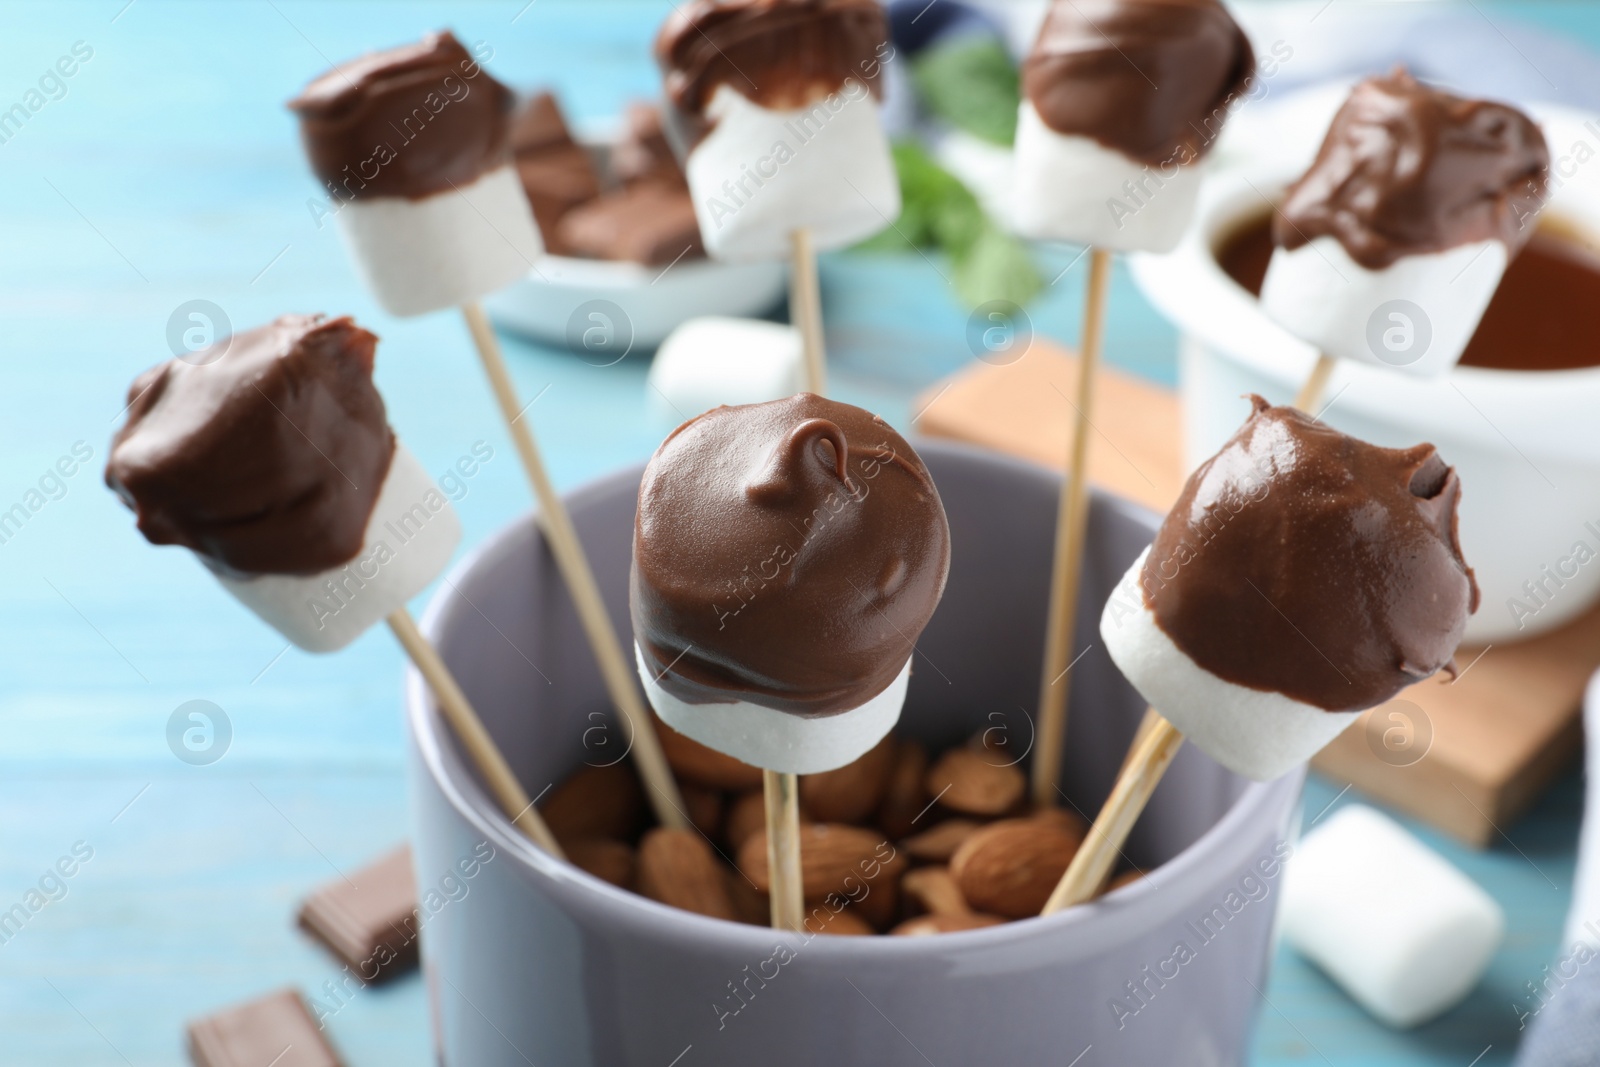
x,y
1525,442
558,301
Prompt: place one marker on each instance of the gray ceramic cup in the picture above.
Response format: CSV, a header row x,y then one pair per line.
x,y
530,961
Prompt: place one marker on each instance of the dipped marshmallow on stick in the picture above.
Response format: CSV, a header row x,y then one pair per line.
x,y
786,556
1390,247
1303,577
413,145
269,455
774,104
1121,101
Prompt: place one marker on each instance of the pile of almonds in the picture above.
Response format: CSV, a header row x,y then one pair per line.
x,y
892,843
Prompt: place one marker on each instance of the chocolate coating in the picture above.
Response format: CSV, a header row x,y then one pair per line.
x,y
781,54
1406,170
1152,79
265,460
1305,562
411,121
787,554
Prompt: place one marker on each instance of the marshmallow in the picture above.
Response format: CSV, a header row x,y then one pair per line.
x,y
1402,931
1415,316
760,174
1071,188
1258,734
445,249
786,556
776,740
1403,224
715,360
409,540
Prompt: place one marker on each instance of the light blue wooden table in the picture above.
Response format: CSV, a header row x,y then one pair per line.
x,y
166,169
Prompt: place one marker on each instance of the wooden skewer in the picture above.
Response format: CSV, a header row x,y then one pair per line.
x,y
805,308
1141,774
470,731
574,564
1154,747
1316,384
1072,519
782,791
782,794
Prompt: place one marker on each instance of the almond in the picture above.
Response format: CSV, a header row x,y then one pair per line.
x,y
974,782
750,905
1070,821
833,859
850,793
693,762
823,920
703,806
596,802
906,798
923,925
935,890
610,861
939,842
879,902
677,867
747,814
1009,868
1125,878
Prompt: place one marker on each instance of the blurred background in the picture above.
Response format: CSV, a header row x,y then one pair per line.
x,y
166,170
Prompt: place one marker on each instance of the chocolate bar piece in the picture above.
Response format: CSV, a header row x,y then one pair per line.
x,y
556,181
557,173
643,154
369,919
538,126
276,1029
650,224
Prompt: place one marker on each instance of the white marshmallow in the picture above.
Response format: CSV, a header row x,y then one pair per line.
x,y
826,167
1071,188
1261,735
777,740
1402,931
1325,298
716,360
446,249
410,537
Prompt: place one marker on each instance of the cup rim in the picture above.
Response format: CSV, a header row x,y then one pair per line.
x,y
1092,926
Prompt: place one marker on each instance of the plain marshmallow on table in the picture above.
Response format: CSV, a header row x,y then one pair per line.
x,y
1399,929
760,174
410,537
1258,734
779,740
1325,298
1072,188
446,249
716,360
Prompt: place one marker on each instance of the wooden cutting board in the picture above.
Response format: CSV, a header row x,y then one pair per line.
x,y
1467,756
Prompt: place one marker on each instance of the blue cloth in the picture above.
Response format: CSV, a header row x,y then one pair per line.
x,y
1566,1030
